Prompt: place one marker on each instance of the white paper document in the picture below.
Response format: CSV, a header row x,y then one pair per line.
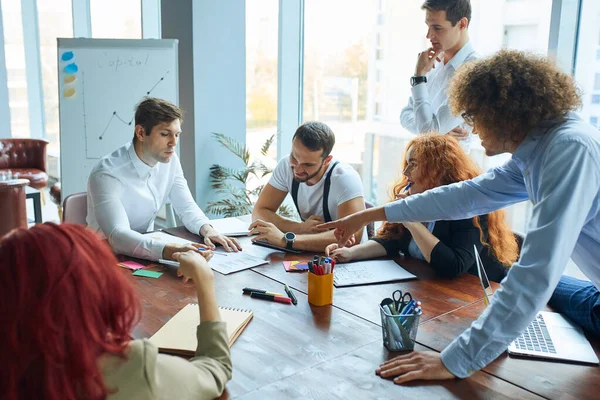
x,y
234,226
222,261
366,272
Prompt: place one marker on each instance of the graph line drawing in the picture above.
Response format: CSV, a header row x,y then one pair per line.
x,y
124,121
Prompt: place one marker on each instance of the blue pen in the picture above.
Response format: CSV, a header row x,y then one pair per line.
x,y
408,187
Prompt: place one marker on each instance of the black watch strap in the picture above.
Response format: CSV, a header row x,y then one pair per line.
x,y
415,80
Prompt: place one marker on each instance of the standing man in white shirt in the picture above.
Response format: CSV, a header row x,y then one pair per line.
x,y
323,189
427,109
128,187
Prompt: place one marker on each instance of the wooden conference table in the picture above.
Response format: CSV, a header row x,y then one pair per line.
x,y
331,352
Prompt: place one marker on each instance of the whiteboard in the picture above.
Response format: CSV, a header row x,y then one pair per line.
x,y
100,81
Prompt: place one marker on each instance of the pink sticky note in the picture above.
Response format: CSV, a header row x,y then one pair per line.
x,y
132,265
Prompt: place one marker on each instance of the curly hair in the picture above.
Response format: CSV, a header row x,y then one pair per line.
x,y
441,161
511,93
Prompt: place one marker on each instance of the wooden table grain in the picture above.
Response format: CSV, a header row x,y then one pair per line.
x,y
331,352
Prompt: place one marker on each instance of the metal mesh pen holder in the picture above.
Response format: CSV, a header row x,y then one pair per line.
x,y
399,331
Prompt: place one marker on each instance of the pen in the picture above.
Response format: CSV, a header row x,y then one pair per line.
x,y
408,187
250,291
168,262
290,294
278,299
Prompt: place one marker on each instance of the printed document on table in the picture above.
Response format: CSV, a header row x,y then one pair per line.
x,y
366,272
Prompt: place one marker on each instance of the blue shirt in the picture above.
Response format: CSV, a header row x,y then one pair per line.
x,y
557,167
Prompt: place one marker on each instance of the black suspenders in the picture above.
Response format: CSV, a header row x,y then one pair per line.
x,y
326,187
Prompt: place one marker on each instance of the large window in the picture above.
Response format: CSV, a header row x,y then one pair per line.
x,y
357,70
15,68
55,20
261,79
116,19
587,64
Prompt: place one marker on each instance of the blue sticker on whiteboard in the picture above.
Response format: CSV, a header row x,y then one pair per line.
x,y
71,68
67,55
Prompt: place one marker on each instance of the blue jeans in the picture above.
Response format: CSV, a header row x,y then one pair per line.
x,y
580,301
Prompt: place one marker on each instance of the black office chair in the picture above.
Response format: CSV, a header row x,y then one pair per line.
x,y
371,225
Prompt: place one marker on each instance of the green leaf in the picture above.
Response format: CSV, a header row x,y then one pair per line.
x,y
233,146
264,150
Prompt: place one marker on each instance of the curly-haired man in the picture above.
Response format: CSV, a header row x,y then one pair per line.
x,y
523,105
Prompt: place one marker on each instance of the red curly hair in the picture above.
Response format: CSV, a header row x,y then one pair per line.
x,y
63,303
442,161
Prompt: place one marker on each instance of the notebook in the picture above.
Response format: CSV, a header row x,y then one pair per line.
x,y
232,226
178,335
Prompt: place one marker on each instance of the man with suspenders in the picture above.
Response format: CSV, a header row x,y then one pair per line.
x,y
323,189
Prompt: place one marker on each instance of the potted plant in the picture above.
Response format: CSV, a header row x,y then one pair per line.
x,y
236,198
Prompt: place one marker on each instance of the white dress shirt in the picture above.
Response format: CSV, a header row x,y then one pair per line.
x,y
427,109
125,195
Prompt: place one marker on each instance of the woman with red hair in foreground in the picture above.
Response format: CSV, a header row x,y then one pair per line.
x,y
66,312
431,161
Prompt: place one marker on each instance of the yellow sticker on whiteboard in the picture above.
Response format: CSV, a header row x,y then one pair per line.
x,y
70,79
70,92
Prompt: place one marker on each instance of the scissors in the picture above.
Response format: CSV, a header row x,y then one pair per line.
x,y
401,300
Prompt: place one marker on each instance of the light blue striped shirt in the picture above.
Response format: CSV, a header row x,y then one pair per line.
x,y
557,167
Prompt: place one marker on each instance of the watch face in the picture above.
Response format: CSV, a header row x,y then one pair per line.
x,y
290,236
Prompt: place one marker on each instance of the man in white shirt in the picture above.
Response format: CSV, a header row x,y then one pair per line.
x,y
128,187
323,189
427,109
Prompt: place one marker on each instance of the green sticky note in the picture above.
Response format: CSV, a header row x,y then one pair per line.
x,y
147,274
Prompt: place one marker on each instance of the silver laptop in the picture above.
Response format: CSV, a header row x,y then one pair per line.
x,y
550,335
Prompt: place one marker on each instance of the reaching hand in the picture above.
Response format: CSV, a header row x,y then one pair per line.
x,y
416,365
171,248
341,254
345,227
211,236
426,61
266,231
459,133
193,266
310,225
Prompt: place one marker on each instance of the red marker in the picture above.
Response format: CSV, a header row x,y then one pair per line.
x,y
278,299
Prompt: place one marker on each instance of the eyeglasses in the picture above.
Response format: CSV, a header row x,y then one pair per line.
x,y
467,117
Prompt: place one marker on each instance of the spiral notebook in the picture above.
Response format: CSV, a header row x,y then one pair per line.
x,y
178,335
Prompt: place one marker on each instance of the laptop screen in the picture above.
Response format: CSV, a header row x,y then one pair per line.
x,y
485,283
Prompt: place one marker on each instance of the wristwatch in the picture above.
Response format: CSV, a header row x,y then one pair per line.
x,y
289,240
415,80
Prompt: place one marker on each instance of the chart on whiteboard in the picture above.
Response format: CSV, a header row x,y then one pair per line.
x,y
109,123
100,82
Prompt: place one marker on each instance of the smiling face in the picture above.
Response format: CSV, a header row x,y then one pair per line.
x,y
160,145
307,165
413,174
440,32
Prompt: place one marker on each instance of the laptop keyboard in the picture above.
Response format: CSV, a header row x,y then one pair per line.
x,y
536,337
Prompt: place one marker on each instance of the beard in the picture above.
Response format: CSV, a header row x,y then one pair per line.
x,y
308,177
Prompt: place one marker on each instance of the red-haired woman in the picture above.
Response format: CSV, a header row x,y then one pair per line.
x,y
66,312
431,161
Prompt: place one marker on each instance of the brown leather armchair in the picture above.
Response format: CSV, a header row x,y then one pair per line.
x,y
26,159
13,210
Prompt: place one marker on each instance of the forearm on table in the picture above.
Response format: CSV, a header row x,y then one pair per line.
x,y
367,250
282,223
